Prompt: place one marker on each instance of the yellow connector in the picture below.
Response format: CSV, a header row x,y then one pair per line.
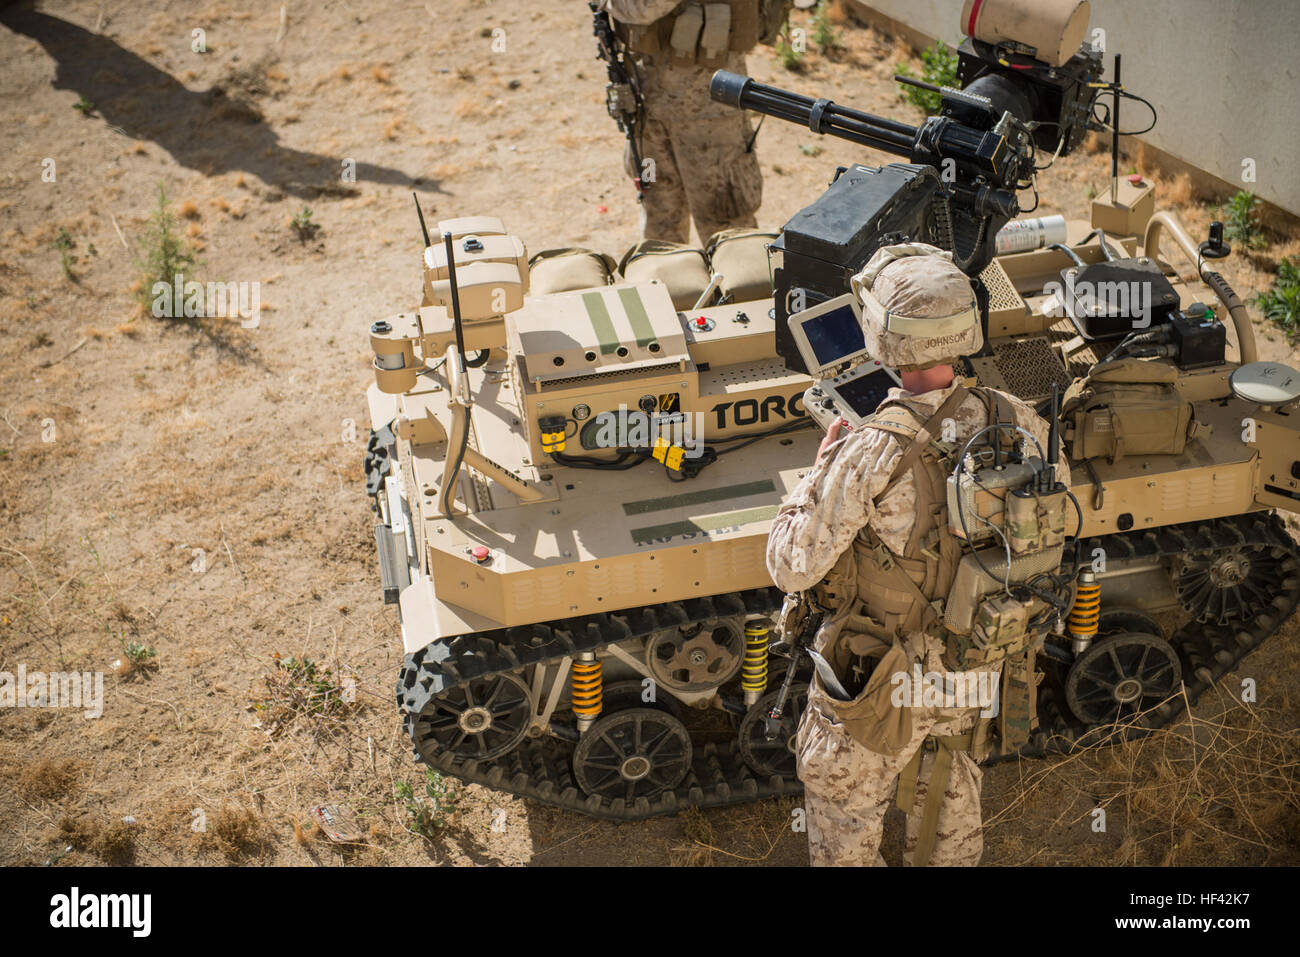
x,y
552,441
669,454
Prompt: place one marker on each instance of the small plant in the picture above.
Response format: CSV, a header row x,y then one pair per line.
x,y
791,54
1090,192
1281,304
137,658
84,106
1242,224
427,815
810,149
939,67
164,254
139,654
823,31
302,225
298,688
64,244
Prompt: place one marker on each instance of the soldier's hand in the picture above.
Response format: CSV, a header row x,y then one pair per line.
x,y
833,435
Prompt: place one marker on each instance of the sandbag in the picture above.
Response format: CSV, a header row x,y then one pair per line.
x,y
1127,407
683,270
564,270
740,255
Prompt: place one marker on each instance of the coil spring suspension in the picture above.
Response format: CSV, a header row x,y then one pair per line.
x,y
587,690
1085,612
753,673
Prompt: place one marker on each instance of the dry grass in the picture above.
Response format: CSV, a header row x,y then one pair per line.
x,y
1219,789
48,779
237,832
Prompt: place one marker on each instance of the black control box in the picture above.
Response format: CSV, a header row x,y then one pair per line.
x,y
824,245
1108,300
1200,337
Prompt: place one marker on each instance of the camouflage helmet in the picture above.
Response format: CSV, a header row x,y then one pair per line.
x,y
918,308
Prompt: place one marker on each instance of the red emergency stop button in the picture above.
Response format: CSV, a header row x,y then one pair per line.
x,y
481,553
1136,179
702,322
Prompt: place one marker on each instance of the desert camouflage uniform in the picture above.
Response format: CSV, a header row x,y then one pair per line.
x,y
702,168
849,787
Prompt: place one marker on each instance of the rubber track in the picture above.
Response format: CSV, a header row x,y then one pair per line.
x,y
540,768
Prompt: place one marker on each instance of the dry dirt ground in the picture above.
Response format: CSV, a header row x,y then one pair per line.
x,y
194,488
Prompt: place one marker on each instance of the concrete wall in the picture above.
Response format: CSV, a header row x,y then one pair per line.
x,y
1223,74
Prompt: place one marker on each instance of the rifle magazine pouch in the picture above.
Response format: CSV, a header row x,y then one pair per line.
x,y
685,39
740,257
713,40
683,271
871,718
1128,407
565,270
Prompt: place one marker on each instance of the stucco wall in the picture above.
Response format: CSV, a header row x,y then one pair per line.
x,y
1223,74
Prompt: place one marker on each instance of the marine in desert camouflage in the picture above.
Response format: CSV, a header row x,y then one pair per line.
x,y
817,543
697,155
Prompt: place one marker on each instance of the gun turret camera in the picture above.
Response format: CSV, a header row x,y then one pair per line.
x,y
829,338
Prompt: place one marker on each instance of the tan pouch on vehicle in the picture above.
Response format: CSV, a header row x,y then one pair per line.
x,y
684,271
740,255
564,270
1127,407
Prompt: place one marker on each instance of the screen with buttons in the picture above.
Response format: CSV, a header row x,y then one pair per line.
x,y
863,394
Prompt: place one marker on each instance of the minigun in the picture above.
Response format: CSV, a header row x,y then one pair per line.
x,y
958,188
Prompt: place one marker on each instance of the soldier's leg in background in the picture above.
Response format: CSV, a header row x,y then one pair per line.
x,y
664,210
724,185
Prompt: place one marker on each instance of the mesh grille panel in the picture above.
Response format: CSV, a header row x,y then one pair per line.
x,y
1002,293
1030,367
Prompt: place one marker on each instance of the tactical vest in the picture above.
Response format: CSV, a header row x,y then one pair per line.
x,y
889,595
703,34
895,594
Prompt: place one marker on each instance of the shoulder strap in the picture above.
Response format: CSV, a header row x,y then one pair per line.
x,y
921,440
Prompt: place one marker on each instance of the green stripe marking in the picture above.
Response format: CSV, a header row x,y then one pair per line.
x,y
636,315
600,321
709,523
698,498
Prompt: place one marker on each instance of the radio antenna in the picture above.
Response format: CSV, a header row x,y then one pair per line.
x,y
423,229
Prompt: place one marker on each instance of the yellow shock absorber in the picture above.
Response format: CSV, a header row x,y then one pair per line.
x,y
1085,613
753,673
587,687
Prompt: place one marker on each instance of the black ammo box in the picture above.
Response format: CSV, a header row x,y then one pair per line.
x,y
824,245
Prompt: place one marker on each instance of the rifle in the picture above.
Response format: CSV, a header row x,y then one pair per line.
x,y
623,98
810,616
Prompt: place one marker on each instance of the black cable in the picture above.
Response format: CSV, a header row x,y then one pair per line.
x,y
619,464
480,359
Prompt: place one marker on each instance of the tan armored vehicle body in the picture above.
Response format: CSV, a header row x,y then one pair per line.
x,y
656,579
575,468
